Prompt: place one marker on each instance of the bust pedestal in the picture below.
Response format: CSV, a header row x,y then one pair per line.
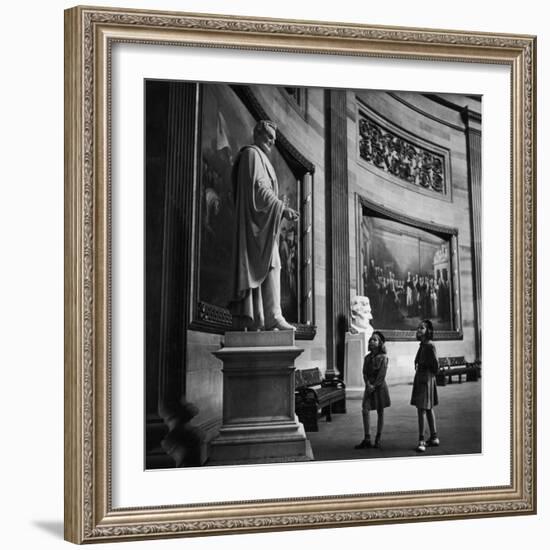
x,y
356,349
259,422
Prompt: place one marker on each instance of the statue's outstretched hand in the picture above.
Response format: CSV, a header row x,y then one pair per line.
x,y
290,214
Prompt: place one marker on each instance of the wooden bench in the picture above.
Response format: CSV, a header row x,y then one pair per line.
x,y
457,366
316,396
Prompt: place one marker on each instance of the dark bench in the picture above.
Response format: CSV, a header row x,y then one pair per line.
x,y
457,366
316,396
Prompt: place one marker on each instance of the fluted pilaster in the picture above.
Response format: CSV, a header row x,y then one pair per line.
x,y
337,228
472,121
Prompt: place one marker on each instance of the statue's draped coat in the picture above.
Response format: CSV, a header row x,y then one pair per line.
x,y
258,213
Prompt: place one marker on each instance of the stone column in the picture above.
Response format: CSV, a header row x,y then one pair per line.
x,y
337,229
259,421
472,121
183,441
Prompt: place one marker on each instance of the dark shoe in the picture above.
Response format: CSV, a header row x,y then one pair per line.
x,y
377,444
365,444
433,441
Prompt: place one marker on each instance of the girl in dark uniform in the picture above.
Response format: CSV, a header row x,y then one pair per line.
x,y
376,396
424,392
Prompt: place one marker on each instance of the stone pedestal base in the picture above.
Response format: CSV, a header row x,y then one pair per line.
x,y
356,349
259,422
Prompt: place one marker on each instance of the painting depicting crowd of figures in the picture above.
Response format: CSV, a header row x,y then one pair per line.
x,y
406,274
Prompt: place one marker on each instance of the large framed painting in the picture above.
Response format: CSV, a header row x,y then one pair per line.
x,y
227,118
388,274
409,270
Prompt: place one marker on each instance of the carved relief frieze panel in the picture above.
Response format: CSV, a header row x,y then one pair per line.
x,y
402,157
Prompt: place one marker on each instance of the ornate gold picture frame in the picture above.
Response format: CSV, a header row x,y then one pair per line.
x,y
91,515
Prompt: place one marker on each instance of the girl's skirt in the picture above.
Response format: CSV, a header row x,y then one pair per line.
x,y
424,392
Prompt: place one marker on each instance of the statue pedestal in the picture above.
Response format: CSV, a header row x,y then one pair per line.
x,y
356,349
259,422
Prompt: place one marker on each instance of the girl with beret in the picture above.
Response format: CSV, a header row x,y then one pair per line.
x,y
424,392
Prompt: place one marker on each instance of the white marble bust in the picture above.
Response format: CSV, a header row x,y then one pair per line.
x,y
361,316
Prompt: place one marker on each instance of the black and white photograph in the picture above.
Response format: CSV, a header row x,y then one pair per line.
x,y
313,274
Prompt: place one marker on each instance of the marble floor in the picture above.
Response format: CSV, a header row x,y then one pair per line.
x,y
458,418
